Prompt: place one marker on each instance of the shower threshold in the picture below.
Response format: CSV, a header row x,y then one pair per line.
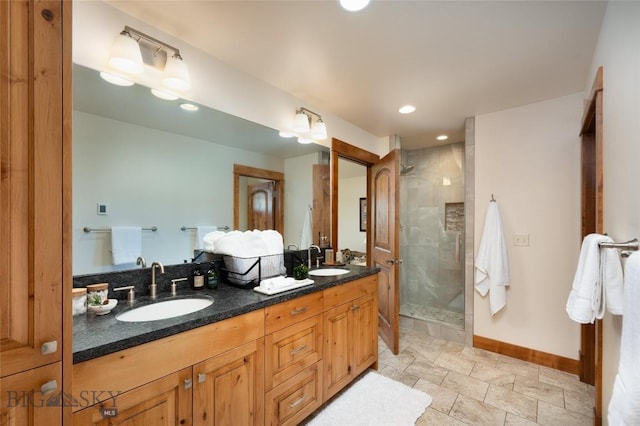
x,y
429,313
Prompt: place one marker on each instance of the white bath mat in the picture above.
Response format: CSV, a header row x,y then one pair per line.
x,y
374,400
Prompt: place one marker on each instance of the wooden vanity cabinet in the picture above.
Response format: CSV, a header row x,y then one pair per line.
x,y
162,402
351,332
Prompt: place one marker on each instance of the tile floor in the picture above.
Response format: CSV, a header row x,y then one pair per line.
x,y
471,386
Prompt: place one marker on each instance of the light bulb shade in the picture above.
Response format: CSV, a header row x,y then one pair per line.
x,y
305,140
176,74
164,94
319,131
354,5
115,79
301,123
125,54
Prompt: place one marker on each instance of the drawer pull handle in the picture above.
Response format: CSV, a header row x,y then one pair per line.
x,y
297,402
300,349
188,383
49,347
201,377
49,387
299,311
355,307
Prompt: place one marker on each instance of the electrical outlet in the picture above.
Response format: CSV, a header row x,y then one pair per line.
x,y
102,209
520,239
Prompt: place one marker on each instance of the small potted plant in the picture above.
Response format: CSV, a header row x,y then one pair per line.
x,y
300,272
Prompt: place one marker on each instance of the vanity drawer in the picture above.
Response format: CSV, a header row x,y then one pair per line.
x,y
292,311
340,294
292,349
294,400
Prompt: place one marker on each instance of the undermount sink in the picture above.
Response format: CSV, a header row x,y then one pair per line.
x,y
328,272
165,309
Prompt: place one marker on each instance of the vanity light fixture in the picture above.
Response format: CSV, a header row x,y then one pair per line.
x,y
407,109
116,79
132,50
442,137
163,94
307,129
285,134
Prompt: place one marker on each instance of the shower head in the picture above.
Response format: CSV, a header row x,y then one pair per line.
x,y
405,170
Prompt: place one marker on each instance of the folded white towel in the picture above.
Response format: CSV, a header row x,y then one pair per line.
x,y
201,231
492,262
126,244
209,240
597,282
624,406
276,283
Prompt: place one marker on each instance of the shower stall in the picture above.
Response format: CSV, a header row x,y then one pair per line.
x,y
432,195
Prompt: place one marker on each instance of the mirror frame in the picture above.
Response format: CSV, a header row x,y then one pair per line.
x,y
254,172
340,149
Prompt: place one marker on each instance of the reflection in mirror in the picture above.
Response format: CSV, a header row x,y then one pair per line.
x,y
353,186
149,163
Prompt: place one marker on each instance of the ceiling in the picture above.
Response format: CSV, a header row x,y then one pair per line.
x,y
450,59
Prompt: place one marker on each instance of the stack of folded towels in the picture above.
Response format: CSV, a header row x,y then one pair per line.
x,y
276,283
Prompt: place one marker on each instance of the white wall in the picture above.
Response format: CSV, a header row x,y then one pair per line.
x,y
298,175
529,158
148,178
618,52
214,83
349,235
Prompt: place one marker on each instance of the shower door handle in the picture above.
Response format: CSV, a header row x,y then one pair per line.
x,y
394,261
458,244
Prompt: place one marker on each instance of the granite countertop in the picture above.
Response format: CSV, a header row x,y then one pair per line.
x,y
95,336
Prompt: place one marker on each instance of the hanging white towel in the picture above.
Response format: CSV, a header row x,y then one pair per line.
x,y
597,282
201,231
624,406
305,239
492,262
126,244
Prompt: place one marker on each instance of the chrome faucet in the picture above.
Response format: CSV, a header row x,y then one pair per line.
x,y
153,287
309,253
140,261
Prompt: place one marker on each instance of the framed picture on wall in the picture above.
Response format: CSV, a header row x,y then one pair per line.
x,y
363,214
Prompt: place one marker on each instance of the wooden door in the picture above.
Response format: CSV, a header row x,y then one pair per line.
x,y
385,248
321,218
163,402
592,222
229,388
260,213
32,397
32,154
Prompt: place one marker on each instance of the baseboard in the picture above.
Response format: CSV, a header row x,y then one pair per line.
x,y
525,354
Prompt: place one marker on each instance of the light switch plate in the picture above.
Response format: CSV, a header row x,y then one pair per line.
x,y
520,239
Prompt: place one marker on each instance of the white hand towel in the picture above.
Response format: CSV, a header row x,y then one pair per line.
x,y
305,239
201,231
597,282
492,262
276,283
624,407
210,239
126,244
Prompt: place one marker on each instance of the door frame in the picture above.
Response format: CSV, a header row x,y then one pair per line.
x,y
278,191
591,134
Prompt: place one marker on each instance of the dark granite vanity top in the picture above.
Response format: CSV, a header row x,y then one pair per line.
x,y
95,336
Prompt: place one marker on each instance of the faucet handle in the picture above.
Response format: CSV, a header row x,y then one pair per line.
x,y
131,295
174,290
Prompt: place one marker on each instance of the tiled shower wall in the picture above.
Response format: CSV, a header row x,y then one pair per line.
x,y
431,198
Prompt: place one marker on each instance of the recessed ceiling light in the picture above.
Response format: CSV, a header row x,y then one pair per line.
x,y
442,137
354,5
163,94
407,109
189,107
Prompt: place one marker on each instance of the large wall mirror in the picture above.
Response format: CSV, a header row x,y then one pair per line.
x,y
151,164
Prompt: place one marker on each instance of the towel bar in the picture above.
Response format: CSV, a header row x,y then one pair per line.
x,y
193,228
87,229
627,247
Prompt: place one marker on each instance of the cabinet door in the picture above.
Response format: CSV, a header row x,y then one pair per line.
x,y
31,188
337,346
229,388
365,333
32,397
165,401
